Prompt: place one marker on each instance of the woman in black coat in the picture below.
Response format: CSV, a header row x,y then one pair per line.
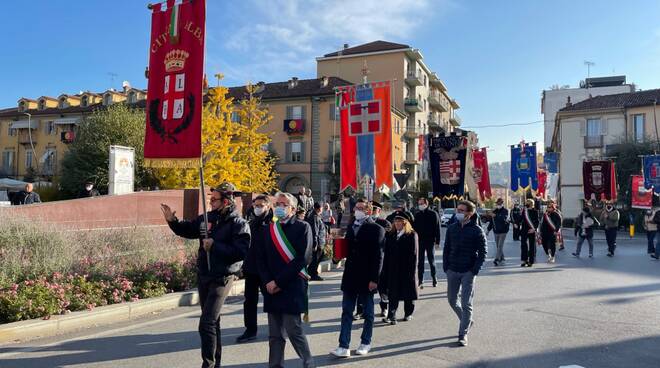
x,y
399,280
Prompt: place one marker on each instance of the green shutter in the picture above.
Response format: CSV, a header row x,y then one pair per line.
x,y
289,112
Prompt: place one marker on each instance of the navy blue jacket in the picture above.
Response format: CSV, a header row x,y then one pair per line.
x,y
257,226
292,298
365,257
231,240
499,224
465,247
427,226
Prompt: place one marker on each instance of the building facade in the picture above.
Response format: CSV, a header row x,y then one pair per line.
x,y
554,99
588,130
417,91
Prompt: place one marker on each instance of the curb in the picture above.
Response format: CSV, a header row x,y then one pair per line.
x,y
106,315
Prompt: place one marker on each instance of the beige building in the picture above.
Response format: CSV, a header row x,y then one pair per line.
x,y
416,90
589,129
305,156
36,133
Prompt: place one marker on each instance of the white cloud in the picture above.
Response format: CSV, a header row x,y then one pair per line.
x,y
272,39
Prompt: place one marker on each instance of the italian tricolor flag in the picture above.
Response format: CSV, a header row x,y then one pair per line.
x,y
174,25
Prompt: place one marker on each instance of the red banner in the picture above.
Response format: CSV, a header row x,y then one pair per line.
x,y
599,180
480,173
174,97
542,177
641,197
348,143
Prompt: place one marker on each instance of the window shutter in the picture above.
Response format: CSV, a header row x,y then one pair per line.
x,y
603,127
583,128
287,151
289,112
302,148
331,112
303,112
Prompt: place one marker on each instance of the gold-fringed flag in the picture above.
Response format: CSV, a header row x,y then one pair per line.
x,y
174,97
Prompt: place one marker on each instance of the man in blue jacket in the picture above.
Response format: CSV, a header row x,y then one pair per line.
x,y
227,244
463,256
281,261
499,224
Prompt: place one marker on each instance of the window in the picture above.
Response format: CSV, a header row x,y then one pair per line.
x,y
42,104
84,102
131,97
235,117
49,161
8,161
21,106
295,112
296,152
62,103
333,112
50,128
29,155
594,137
638,121
107,99
12,131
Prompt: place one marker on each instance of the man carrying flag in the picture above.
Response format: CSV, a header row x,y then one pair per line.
x,y
282,260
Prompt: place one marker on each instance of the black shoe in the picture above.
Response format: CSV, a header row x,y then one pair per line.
x,y
562,248
524,264
386,320
610,254
435,282
654,256
575,255
530,264
421,286
496,263
408,318
245,337
393,321
316,278
356,316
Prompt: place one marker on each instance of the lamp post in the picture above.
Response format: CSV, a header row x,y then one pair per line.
x,y
30,138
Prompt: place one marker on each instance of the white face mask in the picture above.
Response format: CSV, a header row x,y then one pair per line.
x,y
360,215
499,206
259,210
460,217
88,188
422,207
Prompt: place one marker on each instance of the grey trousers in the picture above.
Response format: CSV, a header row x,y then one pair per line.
x,y
463,282
280,324
499,242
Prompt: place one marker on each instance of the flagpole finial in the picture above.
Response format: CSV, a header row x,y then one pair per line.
x,y
365,72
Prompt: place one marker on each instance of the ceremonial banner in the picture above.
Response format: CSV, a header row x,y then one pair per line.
x,y
551,160
447,157
651,166
542,177
366,134
599,180
480,173
174,96
551,186
641,197
523,167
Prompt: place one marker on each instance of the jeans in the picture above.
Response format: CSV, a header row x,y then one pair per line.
x,y
463,282
252,283
348,305
429,249
499,243
212,295
610,236
581,238
650,237
280,324
528,248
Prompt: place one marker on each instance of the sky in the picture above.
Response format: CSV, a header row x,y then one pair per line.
x,y
495,57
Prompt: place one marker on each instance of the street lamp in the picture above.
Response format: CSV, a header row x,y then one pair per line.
x,y
30,137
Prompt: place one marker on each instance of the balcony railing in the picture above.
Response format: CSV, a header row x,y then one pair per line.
x,y
455,119
593,141
414,78
438,101
413,105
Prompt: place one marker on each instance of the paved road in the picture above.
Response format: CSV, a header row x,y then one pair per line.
x,y
600,312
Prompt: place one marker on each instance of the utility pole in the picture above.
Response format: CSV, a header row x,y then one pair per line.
x,y
589,64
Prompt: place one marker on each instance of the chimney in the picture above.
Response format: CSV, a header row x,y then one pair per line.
x,y
293,82
345,46
125,86
568,101
324,81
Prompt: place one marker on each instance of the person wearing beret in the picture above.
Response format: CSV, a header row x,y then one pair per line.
x,y
399,276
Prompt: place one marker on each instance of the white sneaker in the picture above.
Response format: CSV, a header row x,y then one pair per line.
x,y
363,349
341,352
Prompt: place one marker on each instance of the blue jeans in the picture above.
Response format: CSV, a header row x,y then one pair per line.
x,y
581,239
348,306
650,236
462,282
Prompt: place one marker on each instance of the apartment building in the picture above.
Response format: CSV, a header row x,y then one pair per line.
x,y
417,92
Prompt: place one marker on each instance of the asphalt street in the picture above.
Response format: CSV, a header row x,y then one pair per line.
x,y
600,312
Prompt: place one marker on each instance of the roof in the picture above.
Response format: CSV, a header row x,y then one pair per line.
x,y
278,90
375,46
620,100
13,112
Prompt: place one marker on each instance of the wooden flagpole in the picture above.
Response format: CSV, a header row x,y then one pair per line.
x,y
206,216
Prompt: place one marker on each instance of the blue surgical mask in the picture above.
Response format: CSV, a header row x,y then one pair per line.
x,y
460,217
280,212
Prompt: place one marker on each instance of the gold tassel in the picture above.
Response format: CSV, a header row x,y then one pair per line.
x,y
172,163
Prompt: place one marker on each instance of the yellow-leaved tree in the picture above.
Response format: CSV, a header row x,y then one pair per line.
x,y
233,151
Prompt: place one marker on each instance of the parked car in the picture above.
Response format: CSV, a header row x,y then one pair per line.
x,y
447,214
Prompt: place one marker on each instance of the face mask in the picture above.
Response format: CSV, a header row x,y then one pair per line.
x,y
259,210
88,188
499,206
460,217
280,212
609,208
422,207
359,215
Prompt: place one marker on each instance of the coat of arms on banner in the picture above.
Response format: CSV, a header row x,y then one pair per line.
x,y
450,166
523,163
364,117
597,176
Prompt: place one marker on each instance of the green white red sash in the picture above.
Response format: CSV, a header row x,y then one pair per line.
x,y
284,248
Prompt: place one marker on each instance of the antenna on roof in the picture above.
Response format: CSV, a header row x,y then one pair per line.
x,y
589,64
112,75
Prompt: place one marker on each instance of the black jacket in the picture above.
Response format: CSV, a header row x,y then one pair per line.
x,y
399,276
465,247
24,197
385,224
258,229
533,217
427,226
88,193
292,298
499,224
516,215
546,229
231,241
365,257
318,230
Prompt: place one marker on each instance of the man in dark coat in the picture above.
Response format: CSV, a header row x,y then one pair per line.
x,y
226,247
282,261
318,235
399,276
427,226
261,217
516,220
550,231
400,206
27,196
88,191
528,226
378,210
499,224
463,256
360,280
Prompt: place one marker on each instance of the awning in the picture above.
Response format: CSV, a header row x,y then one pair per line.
x,y
23,124
67,121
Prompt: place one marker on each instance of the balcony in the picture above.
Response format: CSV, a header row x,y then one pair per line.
x,y
439,102
455,120
24,137
434,121
410,133
593,141
414,79
413,105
